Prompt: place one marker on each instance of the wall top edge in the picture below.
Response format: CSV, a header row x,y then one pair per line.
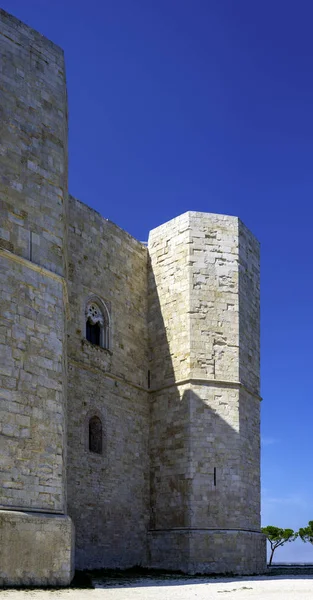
x,y
184,218
83,206
190,215
24,29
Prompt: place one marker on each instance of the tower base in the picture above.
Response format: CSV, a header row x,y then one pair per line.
x,y
36,549
223,551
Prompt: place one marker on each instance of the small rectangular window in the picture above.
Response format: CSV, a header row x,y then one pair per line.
x,y
95,435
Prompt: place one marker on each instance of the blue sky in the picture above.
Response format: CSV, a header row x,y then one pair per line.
x,y
204,105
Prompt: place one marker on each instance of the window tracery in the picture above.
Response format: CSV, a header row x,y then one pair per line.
x,y
97,323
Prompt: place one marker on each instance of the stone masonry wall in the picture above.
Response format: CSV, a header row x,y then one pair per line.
x,y
169,340
231,552
204,440
224,340
41,549
33,306
177,484
169,295
32,411
249,303
33,195
214,303
108,494
33,145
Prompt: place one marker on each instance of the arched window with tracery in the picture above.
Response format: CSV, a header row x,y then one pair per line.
x,y
95,435
97,323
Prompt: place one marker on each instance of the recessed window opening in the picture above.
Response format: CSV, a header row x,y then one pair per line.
x,y
97,324
93,332
95,435
215,476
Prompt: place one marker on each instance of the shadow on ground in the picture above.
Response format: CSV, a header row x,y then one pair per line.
x,y
139,577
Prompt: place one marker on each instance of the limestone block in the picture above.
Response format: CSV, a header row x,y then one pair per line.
x,y
35,549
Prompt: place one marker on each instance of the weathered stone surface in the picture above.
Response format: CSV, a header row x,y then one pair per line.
x,y
204,433
108,495
33,299
32,395
172,375
207,551
35,549
33,145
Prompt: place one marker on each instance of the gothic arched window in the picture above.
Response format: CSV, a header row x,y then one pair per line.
x,y
97,323
95,435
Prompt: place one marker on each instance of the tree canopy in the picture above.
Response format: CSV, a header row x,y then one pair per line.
x,y
278,537
306,533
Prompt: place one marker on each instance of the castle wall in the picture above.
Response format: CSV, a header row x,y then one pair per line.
x,y
176,385
33,145
249,303
169,297
224,340
169,342
108,493
204,440
33,196
32,423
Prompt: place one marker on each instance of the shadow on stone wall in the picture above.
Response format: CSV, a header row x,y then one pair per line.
x,y
204,455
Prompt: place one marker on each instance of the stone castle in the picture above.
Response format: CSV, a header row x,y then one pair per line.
x,y
129,373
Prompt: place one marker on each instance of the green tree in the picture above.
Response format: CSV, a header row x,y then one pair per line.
x,y
306,533
278,537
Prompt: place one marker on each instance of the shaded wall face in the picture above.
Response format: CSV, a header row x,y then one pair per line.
x,y
224,465
33,195
169,295
215,457
225,429
108,493
205,458
169,342
249,304
171,483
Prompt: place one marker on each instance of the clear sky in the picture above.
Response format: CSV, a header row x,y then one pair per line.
x,y
207,105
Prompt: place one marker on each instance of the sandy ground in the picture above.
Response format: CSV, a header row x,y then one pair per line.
x,y
267,588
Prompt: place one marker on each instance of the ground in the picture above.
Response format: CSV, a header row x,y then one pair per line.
x,y
243,588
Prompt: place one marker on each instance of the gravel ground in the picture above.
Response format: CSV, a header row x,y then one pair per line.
x,y
259,588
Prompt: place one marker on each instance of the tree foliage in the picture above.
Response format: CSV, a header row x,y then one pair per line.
x,y
306,533
278,537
